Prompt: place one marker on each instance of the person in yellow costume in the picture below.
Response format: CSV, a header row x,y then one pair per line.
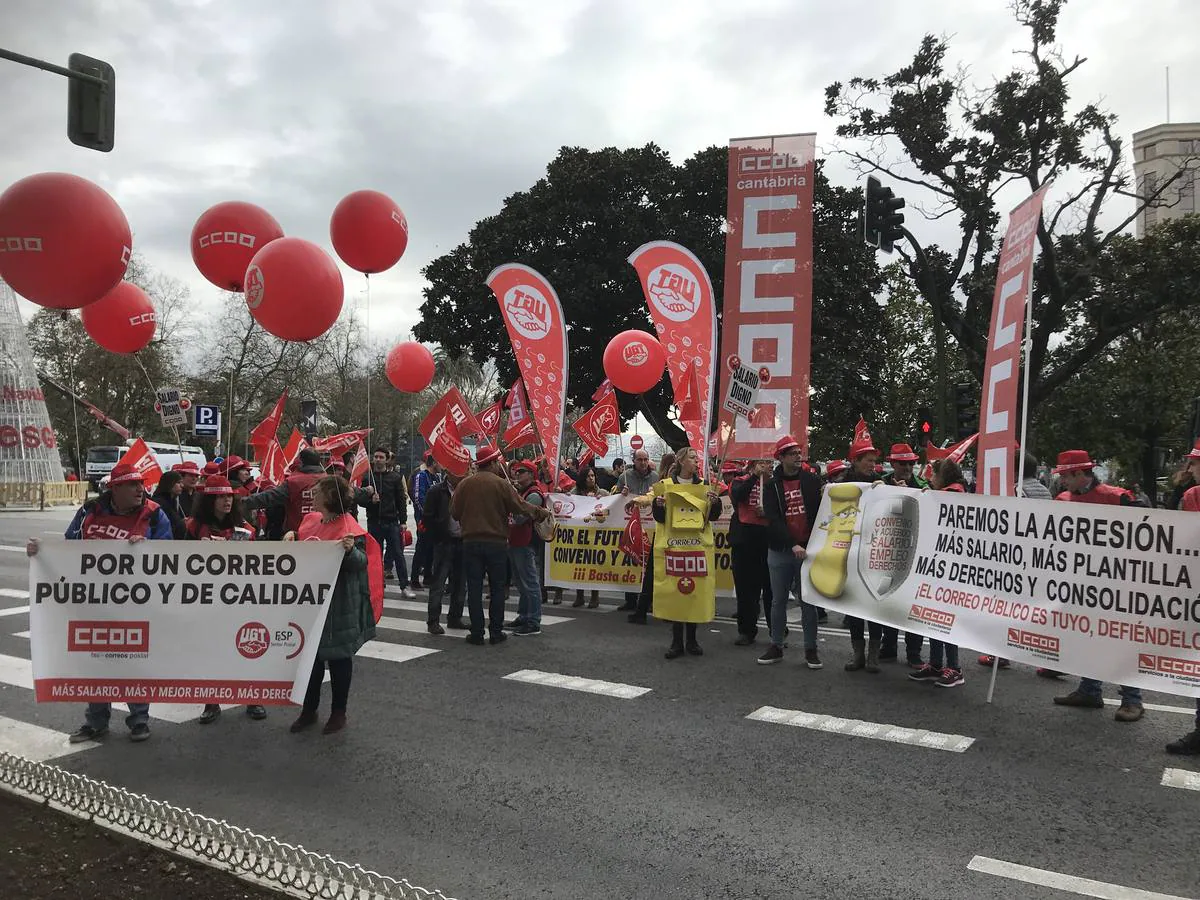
x,y
682,566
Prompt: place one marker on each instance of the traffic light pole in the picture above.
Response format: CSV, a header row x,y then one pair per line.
x,y
929,288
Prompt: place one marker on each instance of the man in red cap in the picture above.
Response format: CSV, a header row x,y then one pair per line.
x,y
790,502
522,556
748,548
1075,468
191,475
481,505
834,469
903,461
121,513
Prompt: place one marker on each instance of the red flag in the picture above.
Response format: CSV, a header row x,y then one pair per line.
x,y
453,404
274,467
361,464
537,331
518,410
679,296
447,447
489,419
267,430
291,452
337,444
604,390
594,426
633,541
143,461
690,405
584,461
520,435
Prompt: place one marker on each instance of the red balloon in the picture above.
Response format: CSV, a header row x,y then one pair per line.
x,y
122,321
410,367
369,232
634,361
64,242
225,239
294,289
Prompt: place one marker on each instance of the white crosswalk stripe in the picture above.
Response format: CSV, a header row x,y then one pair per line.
x,y
917,737
34,742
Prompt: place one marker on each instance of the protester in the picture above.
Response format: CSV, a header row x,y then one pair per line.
x,y
1075,468
748,541
191,477
121,513
426,476
903,460
350,622
295,495
482,504
219,517
790,502
522,558
637,480
166,495
445,535
587,486
606,479
943,668
863,459
387,515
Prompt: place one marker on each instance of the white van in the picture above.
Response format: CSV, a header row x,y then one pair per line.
x,y
100,460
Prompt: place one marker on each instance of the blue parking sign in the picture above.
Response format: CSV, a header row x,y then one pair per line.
x,y
207,422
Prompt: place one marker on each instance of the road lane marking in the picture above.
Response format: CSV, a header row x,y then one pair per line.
x,y
16,672
14,611
412,626
12,548
34,742
575,683
419,607
1158,707
917,737
1075,885
1181,778
397,653
14,593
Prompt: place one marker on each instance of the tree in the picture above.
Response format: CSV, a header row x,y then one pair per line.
x,y
578,224
965,146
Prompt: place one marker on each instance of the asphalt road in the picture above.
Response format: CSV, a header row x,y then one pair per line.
x,y
457,778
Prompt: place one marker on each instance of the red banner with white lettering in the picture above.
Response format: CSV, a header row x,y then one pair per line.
x,y
337,444
595,425
445,443
994,472
453,404
143,461
273,466
533,316
679,294
291,452
767,316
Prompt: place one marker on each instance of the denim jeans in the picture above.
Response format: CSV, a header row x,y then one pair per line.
x,y
98,714
1090,687
523,563
785,572
939,650
387,535
489,557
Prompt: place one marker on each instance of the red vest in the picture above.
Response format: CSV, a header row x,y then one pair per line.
x,y
747,513
105,525
522,535
199,532
1100,493
300,498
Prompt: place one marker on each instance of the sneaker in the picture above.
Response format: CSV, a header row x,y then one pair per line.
x,y
951,678
209,714
925,673
514,624
1085,701
527,628
1129,712
987,660
1048,673
257,713
774,654
498,638
87,733
812,660
1188,745
409,593
744,640
139,733
476,639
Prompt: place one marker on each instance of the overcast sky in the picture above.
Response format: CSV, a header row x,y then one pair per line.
x,y
449,106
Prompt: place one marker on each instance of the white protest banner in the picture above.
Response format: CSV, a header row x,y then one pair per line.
x,y
586,554
741,394
1102,591
178,622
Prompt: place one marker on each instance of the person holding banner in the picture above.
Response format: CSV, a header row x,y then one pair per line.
x,y
121,513
684,600
351,619
587,486
522,557
790,503
1075,468
637,480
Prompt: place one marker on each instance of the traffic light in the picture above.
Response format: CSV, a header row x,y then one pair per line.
x,y
924,428
91,103
966,410
883,223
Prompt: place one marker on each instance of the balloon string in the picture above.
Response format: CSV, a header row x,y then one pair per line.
x,y
369,350
75,414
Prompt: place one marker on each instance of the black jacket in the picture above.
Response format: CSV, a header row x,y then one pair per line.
x,y
779,537
393,498
436,515
170,507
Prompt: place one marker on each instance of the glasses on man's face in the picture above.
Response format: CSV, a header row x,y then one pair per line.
x,y
791,453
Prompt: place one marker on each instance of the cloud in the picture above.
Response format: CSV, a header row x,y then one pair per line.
x,y
449,106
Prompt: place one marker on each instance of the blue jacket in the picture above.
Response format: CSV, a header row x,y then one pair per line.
x,y
158,529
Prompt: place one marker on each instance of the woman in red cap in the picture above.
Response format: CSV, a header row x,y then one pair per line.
x,y
218,516
943,667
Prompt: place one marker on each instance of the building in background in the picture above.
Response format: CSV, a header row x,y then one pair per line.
x,y
1158,154
28,446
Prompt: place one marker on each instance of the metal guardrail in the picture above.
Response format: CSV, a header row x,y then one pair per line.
x,y
264,860
42,493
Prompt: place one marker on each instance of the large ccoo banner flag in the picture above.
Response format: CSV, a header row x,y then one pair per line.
x,y
767,320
